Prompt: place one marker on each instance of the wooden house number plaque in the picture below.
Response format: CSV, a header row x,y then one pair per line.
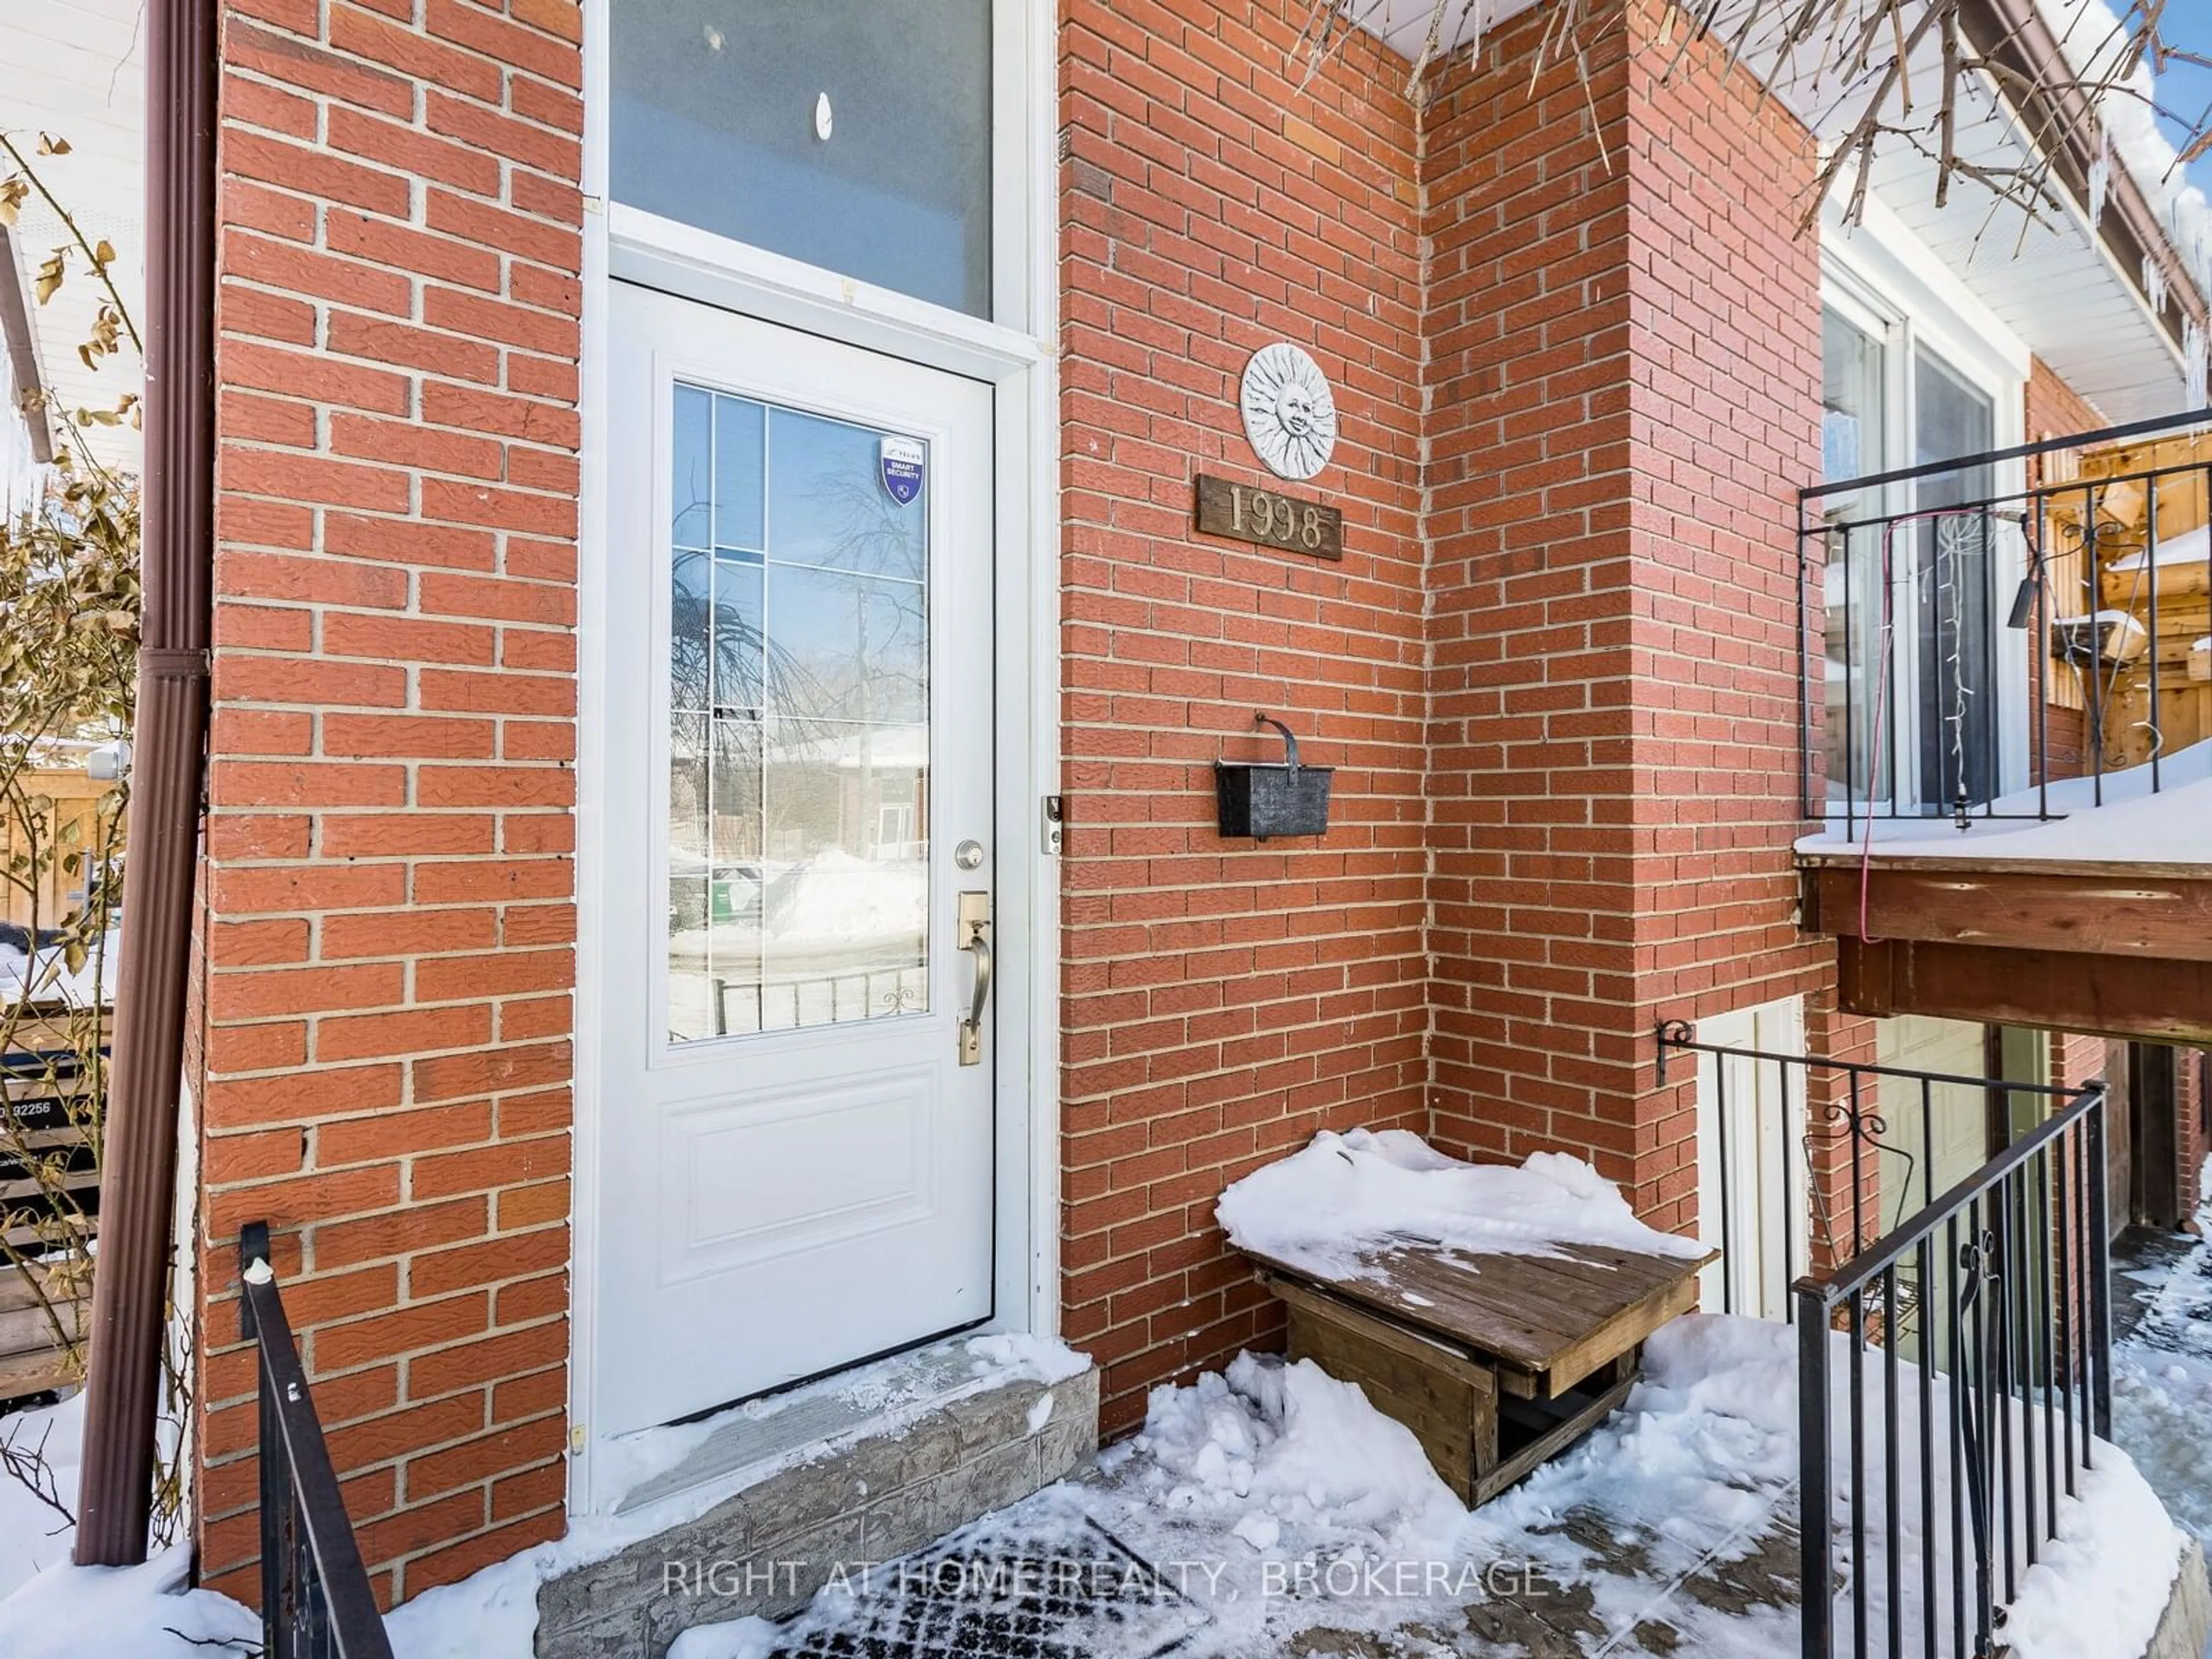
x,y
1267,518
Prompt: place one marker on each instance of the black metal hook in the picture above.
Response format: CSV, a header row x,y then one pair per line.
x,y
1261,717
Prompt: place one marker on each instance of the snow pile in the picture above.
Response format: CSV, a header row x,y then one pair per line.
x,y
32,1536
1344,1198
123,1612
51,1610
1036,1358
2133,825
1269,1444
2101,1586
1698,1467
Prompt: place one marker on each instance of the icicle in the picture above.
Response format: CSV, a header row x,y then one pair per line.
x,y
2154,285
2100,178
2192,352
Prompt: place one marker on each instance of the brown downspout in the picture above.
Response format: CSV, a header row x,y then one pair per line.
x,y
138,1179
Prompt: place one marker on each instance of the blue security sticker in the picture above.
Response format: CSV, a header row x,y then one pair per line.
x,y
903,461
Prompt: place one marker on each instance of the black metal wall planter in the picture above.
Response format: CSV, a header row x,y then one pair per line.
x,y
1262,799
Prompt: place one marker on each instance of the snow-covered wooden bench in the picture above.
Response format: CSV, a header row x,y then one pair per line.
x,y
1495,1362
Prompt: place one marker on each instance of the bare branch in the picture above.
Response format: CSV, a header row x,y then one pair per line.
x,y
1867,61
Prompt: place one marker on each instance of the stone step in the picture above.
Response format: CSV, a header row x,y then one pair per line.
x,y
849,1474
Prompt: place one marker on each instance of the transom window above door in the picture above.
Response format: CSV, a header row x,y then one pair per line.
x,y
852,135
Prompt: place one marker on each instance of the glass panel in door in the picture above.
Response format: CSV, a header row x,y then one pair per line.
x,y
798,720
1854,444
1954,593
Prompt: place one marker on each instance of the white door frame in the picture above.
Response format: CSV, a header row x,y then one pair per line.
x,y
1763,1096
1017,354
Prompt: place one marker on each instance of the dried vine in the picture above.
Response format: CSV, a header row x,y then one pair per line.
x,y
69,602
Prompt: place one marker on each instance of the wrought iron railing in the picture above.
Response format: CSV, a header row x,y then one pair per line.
x,y
1922,694
1967,1442
1954,1345
316,1602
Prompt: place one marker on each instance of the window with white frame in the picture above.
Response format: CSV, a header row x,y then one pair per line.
x,y
1918,672
805,130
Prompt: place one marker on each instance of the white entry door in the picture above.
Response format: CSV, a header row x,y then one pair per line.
x,y
795,1157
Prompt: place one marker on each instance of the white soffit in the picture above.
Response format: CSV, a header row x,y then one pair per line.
x,y
76,69
1403,25
2048,277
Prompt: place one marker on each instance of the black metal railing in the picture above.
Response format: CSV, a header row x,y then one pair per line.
x,y
1845,1150
1914,700
1968,1442
316,1602
1958,1340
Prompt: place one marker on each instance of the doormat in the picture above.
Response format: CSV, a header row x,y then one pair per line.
x,y
1004,1588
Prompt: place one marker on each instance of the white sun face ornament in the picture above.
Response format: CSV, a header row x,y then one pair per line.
x,y
1290,414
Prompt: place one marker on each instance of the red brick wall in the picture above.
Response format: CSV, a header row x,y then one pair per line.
x,y
1225,1000
2192,1106
1626,377
1725,429
389,916
1532,730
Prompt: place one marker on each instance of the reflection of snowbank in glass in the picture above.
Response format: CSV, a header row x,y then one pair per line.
x,y
833,938
836,902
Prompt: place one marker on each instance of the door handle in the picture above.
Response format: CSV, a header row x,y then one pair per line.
x,y
973,937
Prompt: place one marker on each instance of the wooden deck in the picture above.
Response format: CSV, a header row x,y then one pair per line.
x,y
2113,949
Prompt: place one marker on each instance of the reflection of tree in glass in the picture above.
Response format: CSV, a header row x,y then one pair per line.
x,y
864,641
714,645
866,675
858,676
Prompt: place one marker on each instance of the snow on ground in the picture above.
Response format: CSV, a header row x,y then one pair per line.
x,y
1282,1502
51,1610
32,1536
123,1612
1301,1520
1346,1196
1296,1515
2133,824
1270,1466
492,1615
2162,1378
